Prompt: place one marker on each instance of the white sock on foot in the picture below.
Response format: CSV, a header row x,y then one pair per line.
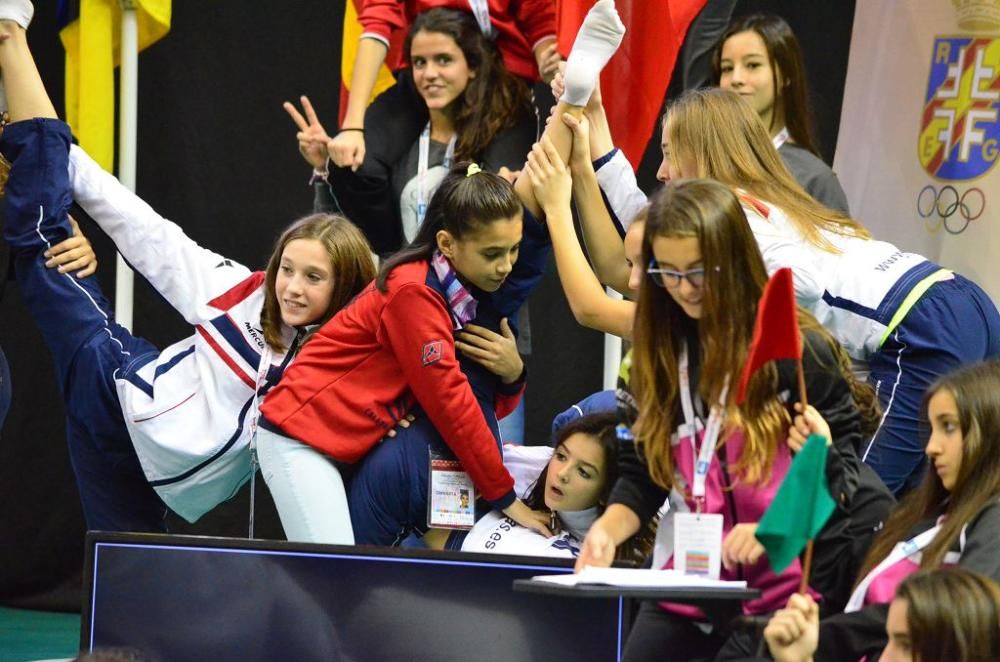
x,y
596,42
19,11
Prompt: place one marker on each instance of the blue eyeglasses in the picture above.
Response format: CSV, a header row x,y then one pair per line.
x,y
670,279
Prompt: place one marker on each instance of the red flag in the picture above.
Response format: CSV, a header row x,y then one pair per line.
x,y
636,78
776,331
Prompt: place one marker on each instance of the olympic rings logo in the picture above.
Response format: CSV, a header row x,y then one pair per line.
x,y
940,208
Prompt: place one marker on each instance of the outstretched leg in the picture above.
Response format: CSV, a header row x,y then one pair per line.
x,y
598,39
89,349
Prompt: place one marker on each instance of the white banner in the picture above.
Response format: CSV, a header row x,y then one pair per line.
x,y
919,132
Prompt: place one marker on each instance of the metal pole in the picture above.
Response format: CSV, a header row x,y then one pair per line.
x,y
127,124
612,351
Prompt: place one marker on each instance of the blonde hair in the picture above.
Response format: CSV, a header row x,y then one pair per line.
x,y
726,140
734,280
735,277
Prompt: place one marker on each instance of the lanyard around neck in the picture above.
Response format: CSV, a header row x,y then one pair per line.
x,y
260,382
702,458
481,10
780,138
422,160
901,551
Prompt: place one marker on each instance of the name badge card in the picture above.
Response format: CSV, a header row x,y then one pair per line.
x,y
452,496
698,544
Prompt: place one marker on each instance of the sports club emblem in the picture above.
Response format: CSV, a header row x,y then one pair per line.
x,y
960,131
432,352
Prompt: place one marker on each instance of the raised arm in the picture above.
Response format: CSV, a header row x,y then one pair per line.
x,y
183,272
347,149
597,40
615,175
604,243
590,305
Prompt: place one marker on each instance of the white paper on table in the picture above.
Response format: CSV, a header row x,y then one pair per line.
x,y
628,577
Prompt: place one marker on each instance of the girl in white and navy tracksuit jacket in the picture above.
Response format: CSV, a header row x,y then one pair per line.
x,y
908,318
176,421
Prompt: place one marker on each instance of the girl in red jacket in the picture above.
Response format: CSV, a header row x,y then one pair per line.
x,y
392,352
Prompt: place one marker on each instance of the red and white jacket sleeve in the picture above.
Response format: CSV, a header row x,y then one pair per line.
x,y
536,19
417,326
380,18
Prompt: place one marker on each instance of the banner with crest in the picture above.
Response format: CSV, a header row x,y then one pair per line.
x,y
920,130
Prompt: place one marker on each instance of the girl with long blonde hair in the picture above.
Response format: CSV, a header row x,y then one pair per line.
x,y
905,318
694,322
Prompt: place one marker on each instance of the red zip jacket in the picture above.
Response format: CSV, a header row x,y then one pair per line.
x,y
519,26
361,372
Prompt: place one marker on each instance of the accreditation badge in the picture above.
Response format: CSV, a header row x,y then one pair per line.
x,y
698,544
451,502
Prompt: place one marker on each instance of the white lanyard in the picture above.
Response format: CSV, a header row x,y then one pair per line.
x,y
702,459
899,552
481,10
422,158
781,138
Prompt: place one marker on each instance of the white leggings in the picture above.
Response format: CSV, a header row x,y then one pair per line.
x,y
307,489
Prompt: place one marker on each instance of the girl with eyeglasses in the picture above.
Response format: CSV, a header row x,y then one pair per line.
x,y
694,319
907,318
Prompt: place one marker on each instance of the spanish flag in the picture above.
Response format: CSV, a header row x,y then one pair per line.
x,y
349,53
635,80
91,38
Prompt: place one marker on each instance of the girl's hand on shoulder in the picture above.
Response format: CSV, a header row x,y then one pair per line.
x,y
536,520
792,634
598,548
549,177
807,422
73,255
740,546
497,352
312,136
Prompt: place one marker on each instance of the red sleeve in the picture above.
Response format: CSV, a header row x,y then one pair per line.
x,y
536,19
417,327
381,17
508,396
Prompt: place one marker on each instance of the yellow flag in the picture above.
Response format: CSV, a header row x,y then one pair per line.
x,y
92,51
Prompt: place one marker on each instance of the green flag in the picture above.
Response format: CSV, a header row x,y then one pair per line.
x,y
800,508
